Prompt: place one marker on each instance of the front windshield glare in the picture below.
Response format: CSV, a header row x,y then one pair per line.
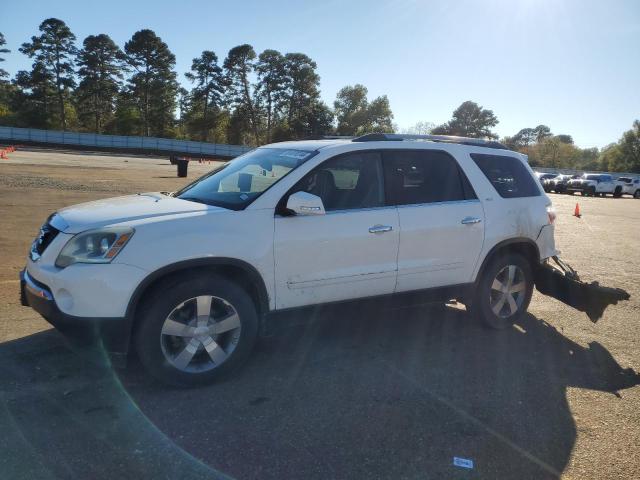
x,y
244,179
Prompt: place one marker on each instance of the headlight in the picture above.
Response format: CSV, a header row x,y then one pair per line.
x,y
94,246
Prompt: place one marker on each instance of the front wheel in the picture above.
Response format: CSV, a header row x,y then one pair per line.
x,y
504,291
636,194
196,330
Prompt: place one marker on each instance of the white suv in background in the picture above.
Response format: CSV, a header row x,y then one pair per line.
x,y
593,184
629,186
189,279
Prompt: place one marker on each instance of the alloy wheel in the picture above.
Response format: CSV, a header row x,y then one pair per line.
x,y
508,291
200,333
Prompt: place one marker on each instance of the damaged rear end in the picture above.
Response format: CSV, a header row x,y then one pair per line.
x,y
557,279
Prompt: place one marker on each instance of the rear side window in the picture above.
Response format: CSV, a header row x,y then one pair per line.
x,y
423,176
508,175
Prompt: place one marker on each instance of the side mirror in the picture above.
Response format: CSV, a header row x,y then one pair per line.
x,y
303,203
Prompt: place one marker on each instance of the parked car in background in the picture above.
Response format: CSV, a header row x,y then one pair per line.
x,y
628,186
542,176
592,184
558,184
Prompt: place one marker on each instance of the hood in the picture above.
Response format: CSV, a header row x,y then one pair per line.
x,y
109,211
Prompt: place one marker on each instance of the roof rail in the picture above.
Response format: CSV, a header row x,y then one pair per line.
x,y
329,137
398,137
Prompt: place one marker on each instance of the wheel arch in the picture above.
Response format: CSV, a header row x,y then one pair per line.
x,y
241,272
522,245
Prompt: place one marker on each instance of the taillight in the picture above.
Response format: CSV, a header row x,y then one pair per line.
x,y
551,213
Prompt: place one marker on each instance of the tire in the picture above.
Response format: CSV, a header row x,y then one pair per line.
x,y
206,347
636,194
617,192
488,305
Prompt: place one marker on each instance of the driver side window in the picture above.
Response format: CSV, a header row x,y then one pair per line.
x,y
347,182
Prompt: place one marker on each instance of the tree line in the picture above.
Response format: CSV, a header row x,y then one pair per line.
x,y
246,98
544,148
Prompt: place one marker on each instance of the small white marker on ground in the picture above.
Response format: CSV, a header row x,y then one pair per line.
x,y
462,462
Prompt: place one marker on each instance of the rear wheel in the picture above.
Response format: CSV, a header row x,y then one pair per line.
x,y
504,291
636,194
194,331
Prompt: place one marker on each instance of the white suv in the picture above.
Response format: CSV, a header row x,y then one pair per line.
x,y
189,279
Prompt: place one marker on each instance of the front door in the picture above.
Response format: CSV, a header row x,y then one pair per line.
x,y
351,250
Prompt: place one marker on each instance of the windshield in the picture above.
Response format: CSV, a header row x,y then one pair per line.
x,y
241,181
592,177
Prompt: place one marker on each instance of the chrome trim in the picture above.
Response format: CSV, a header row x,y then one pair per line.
x,y
470,220
367,209
408,205
37,290
447,202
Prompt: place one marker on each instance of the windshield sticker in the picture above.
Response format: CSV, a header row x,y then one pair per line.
x,y
294,154
244,196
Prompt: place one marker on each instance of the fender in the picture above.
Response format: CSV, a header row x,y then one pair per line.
x,y
506,244
250,270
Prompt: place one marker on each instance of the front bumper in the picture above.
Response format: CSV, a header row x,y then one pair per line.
x,y
111,333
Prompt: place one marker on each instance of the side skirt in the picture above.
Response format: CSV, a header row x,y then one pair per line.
x,y
401,299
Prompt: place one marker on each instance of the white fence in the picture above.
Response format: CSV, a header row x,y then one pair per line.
x,y
120,142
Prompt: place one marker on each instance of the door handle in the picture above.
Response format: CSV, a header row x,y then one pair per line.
x,y
470,220
380,228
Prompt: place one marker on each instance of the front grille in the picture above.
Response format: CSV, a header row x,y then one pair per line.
x,y
43,240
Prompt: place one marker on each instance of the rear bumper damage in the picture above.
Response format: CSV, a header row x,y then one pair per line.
x,y
564,284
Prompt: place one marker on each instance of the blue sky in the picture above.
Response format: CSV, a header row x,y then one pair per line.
x,y
571,64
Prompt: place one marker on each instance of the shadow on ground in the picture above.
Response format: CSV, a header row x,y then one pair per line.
x,y
359,391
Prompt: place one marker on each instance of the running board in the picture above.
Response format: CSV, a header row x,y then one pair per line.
x,y
564,284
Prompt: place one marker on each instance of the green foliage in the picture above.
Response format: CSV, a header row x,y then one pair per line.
x,y
238,66
101,73
206,97
152,87
3,42
624,156
53,52
356,116
469,120
270,87
250,99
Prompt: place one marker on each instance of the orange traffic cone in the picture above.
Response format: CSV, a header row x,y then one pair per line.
x,y
576,212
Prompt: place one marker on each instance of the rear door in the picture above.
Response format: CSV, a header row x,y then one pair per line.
x,y
441,220
348,252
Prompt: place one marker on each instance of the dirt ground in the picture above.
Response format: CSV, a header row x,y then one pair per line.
x,y
371,391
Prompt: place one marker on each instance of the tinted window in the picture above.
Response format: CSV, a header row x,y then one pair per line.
x,y
346,182
508,175
413,177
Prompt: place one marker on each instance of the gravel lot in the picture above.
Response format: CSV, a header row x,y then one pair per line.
x,y
371,390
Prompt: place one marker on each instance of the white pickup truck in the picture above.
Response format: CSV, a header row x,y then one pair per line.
x,y
594,184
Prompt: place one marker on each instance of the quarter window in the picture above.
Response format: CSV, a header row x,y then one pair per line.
x,y
425,176
508,175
